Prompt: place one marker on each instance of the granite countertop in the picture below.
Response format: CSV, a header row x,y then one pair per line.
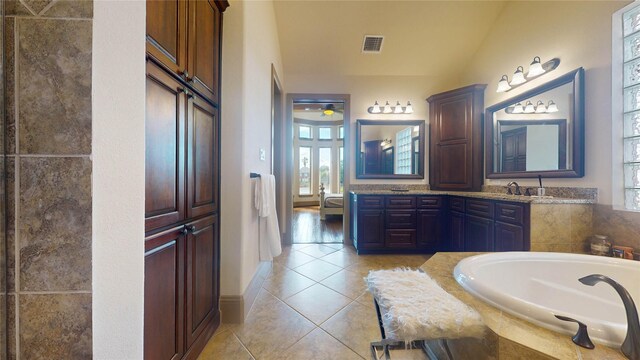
x,y
516,336
480,195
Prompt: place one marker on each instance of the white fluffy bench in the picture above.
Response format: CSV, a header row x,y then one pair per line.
x,y
412,308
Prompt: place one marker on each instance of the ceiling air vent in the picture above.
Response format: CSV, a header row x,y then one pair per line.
x,y
372,44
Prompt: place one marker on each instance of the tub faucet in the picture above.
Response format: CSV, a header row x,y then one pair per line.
x,y
631,344
517,188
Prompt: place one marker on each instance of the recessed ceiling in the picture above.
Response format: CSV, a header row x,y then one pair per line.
x,y
421,38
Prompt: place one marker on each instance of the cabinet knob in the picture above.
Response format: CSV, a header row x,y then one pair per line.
x,y
185,75
188,93
184,231
191,228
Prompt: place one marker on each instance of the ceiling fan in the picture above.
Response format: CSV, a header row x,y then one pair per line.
x,y
329,109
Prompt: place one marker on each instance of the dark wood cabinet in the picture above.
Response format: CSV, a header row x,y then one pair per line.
x,y
509,237
372,157
164,149
203,254
202,157
456,139
456,232
400,239
182,263
164,295
430,225
478,233
370,229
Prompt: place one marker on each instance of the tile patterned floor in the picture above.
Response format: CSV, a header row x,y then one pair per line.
x,y
313,305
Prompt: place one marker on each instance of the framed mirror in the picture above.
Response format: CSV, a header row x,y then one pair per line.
x,y
540,132
391,149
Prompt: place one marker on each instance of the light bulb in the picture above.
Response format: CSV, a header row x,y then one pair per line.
x,y
529,109
503,84
376,108
540,107
535,68
518,109
409,108
518,77
398,108
387,108
552,107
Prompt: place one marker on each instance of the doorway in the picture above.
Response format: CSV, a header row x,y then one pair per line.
x,y
317,183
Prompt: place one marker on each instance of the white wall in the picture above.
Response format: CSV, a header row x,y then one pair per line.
x,y
118,178
250,46
577,32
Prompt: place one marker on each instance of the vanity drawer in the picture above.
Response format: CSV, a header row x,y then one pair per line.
x,y
482,208
510,213
400,219
457,204
371,201
403,239
429,202
401,202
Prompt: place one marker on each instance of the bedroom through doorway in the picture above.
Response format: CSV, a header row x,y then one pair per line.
x,y
318,172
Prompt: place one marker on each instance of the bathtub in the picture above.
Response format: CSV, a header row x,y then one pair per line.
x,y
535,286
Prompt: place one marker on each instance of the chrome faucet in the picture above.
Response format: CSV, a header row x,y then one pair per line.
x,y
517,188
631,344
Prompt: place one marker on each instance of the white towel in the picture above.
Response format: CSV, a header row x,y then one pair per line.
x,y
265,202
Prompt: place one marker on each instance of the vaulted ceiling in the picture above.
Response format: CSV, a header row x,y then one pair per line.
x,y
422,38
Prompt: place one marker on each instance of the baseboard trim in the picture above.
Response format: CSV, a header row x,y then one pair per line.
x,y
234,308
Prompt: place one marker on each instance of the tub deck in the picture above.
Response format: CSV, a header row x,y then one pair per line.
x,y
510,337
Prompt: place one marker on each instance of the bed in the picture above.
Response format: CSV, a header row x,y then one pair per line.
x,y
330,204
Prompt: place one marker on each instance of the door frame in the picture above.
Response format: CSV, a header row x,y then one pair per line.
x,y
302,97
278,168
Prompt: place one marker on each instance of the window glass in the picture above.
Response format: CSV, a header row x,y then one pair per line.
x,y
304,132
341,132
341,170
403,151
324,133
324,162
304,171
631,119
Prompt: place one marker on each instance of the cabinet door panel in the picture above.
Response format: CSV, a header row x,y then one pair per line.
x,y
400,239
456,229
400,219
164,154
163,296
478,234
430,225
202,158
455,120
202,276
453,168
370,229
166,33
509,237
204,45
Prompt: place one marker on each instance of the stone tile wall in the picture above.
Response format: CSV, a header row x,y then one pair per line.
x,y
622,227
48,99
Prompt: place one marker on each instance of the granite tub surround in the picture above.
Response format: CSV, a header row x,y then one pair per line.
x,y
48,143
509,337
622,227
561,227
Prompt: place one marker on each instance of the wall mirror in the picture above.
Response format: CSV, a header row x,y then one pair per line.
x,y
540,132
390,149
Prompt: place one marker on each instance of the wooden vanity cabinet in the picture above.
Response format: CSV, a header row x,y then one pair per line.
x,y
456,139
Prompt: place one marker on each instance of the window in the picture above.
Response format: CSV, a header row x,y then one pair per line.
x,y
305,132
403,152
304,171
324,169
341,170
324,133
631,108
341,132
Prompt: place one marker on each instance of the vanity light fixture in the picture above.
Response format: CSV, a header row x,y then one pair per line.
x,y
409,108
529,109
387,109
518,77
552,107
385,142
540,107
536,69
518,109
398,109
375,109
503,84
